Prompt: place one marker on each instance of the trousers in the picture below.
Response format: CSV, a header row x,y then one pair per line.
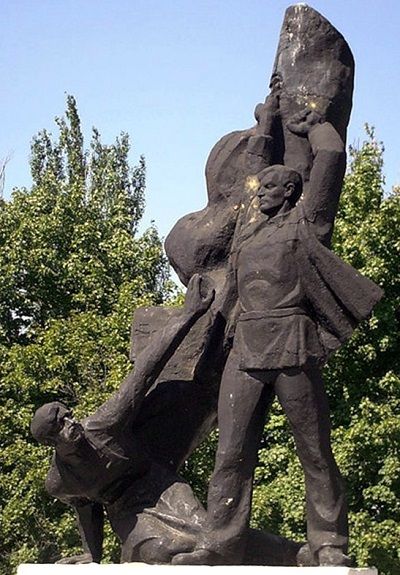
x,y
245,398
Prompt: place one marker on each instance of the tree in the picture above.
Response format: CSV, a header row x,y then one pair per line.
x,y
363,382
72,271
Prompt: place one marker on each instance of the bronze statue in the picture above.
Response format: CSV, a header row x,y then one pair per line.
x,y
276,303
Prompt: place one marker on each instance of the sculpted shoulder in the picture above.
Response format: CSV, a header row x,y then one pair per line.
x,y
54,483
58,487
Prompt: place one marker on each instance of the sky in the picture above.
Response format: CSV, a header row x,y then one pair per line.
x,y
176,75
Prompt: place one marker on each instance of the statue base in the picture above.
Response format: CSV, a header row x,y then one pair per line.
x,y
131,568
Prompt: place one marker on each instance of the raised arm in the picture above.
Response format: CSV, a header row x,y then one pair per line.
x,y
123,406
322,195
260,146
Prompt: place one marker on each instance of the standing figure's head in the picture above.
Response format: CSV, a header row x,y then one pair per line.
x,y
280,187
54,425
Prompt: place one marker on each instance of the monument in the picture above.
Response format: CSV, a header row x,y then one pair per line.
x,y
266,306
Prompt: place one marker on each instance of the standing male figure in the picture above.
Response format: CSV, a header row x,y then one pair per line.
x,y
298,303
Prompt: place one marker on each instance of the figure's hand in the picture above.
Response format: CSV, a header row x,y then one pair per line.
x,y
196,301
301,123
76,559
265,113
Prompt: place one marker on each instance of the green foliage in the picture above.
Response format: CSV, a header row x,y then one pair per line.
x,y
72,271
197,470
363,382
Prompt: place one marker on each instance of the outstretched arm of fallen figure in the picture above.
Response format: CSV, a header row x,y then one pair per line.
x,y
123,406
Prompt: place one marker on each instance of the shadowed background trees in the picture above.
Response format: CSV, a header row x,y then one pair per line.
x,y
72,271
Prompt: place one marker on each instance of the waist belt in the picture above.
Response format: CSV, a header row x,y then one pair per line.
x,y
266,313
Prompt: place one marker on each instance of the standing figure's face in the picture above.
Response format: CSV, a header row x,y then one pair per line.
x,y
273,193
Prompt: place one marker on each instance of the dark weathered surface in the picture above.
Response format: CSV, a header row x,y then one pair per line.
x,y
181,408
200,242
317,70
275,303
147,324
316,67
